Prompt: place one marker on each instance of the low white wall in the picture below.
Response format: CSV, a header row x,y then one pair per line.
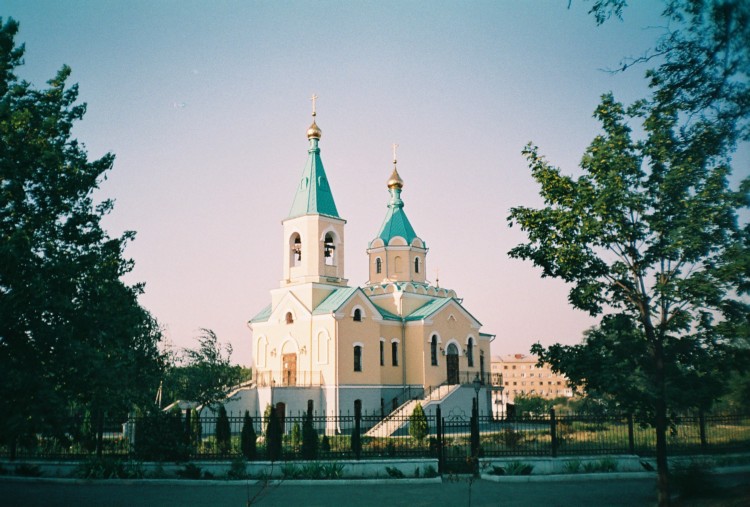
x,y
561,465
219,469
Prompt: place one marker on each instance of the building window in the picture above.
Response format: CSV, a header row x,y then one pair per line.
x,y
358,315
416,264
289,318
357,358
329,249
382,353
378,265
433,351
394,353
470,351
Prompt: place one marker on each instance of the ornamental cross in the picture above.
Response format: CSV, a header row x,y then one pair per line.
x,y
313,98
395,147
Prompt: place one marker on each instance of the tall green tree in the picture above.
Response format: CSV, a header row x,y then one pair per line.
x,y
648,232
203,374
72,334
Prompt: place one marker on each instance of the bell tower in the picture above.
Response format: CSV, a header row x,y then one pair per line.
x,y
397,254
313,231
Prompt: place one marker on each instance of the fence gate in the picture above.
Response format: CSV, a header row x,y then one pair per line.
x,y
456,444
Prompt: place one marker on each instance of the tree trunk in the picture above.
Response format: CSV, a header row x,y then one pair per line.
x,y
99,432
662,466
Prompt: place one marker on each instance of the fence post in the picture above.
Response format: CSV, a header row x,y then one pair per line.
x,y
356,433
631,435
439,434
702,424
553,431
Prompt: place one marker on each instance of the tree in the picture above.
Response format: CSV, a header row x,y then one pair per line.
x,y
248,438
273,434
702,61
203,374
309,436
73,336
418,426
650,233
223,432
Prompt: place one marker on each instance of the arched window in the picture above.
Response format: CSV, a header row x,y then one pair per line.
x,y
296,250
433,351
358,358
378,265
357,315
394,353
416,264
470,351
329,249
397,263
289,318
382,352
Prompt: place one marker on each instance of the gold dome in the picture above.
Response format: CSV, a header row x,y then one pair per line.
x,y
314,131
395,180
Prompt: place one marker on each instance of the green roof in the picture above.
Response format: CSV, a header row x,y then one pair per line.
x,y
313,195
428,309
263,315
396,223
334,300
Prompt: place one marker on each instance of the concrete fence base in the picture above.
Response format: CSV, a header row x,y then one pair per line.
x,y
410,468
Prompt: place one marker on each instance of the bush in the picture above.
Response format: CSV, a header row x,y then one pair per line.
x,y
248,438
512,438
159,436
273,436
109,468
325,444
295,436
26,470
190,471
394,472
513,468
693,479
418,426
223,432
238,469
309,437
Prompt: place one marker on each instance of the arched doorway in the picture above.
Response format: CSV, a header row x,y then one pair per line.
x,y
451,356
289,364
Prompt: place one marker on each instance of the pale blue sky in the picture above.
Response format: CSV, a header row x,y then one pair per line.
x,y
206,105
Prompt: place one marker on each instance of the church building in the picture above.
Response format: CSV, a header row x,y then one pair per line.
x,y
341,348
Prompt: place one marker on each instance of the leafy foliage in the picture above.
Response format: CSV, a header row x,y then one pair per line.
x,y
418,426
72,335
702,61
203,374
248,438
309,437
223,432
650,233
273,436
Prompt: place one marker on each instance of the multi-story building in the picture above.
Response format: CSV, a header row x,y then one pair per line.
x,y
519,374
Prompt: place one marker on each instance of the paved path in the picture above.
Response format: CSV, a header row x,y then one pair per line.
x,y
457,492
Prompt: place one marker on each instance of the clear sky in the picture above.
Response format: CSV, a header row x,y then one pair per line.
x,y
206,104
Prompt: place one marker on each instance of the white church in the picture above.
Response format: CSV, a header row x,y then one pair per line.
x,y
340,348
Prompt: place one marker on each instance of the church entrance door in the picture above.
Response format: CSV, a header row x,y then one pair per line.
x,y
452,363
290,369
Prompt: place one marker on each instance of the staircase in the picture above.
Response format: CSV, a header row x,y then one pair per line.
x,y
399,417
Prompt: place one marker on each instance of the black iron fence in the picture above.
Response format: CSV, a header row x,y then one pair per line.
x,y
175,437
